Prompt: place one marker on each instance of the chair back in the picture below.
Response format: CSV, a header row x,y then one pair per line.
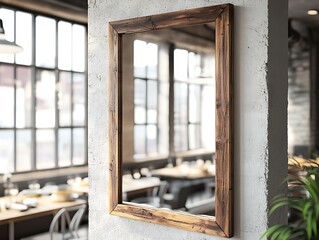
x,y
162,190
63,216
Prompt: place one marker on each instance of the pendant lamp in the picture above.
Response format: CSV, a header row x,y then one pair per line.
x,y
7,46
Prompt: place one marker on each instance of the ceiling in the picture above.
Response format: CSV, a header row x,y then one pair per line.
x,y
77,4
298,10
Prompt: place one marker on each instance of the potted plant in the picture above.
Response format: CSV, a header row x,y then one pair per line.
x,y
302,202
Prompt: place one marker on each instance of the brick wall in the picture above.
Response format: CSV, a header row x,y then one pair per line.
x,y
299,103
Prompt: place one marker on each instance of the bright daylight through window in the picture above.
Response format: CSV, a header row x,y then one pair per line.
x,y
43,93
194,119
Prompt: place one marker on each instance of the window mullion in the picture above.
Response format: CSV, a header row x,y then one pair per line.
x,y
187,114
171,99
15,102
57,80
146,109
86,101
33,102
72,105
200,116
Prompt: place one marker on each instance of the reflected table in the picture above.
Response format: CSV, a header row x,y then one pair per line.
x,y
132,186
181,172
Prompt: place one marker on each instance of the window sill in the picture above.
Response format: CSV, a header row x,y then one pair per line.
x,y
19,177
193,153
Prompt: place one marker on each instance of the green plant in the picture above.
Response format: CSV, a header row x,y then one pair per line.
x,y
302,202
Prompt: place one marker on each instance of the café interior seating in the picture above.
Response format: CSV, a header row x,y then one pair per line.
x,y
157,197
65,225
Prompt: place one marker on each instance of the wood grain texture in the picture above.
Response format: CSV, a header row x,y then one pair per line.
x,y
224,121
222,223
115,133
168,20
169,218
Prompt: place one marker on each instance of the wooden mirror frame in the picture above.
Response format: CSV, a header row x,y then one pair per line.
x,y
222,223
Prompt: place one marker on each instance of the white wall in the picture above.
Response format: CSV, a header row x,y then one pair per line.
x,y
260,38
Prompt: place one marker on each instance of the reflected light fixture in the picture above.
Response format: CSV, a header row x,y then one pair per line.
x,y
7,46
312,12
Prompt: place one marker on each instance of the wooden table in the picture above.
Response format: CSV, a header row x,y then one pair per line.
x,y
301,163
134,186
130,186
182,173
45,207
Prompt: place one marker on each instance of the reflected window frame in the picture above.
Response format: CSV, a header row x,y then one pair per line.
x,y
147,123
33,67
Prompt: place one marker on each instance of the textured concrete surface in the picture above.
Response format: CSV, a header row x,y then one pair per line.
x,y
260,65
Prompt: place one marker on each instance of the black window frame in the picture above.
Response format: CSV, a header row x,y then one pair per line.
x,y
34,68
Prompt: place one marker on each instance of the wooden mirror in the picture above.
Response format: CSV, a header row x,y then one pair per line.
x,y
129,37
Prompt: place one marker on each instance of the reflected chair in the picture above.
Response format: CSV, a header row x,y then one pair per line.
x,y
64,225
156,199
178,201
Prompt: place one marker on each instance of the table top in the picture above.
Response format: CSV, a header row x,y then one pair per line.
x,y
132,186
294,162
45,207
182,173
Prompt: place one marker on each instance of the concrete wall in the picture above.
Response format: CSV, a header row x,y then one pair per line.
x,y
260,114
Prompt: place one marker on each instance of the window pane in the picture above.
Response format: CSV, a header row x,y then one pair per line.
x,y
194,136
152,101
180,137
208,118
78,99
78,146
45,153
45,96
78,44
24,37
6,96
64,99
65,45
180,64
140,101
24,150
139,58
194,103
7,17
194,67
139,140
152,50
6,151
180,103
23,97
45,42
151,139
64,147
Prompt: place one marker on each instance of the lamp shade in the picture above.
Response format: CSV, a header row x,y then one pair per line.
x,y
7,46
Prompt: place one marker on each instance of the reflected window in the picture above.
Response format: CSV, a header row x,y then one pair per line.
x,y
43,93
145,98
193,105
194,96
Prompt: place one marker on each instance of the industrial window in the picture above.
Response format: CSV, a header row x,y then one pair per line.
x,y
193,100
194,105
145,98
43,98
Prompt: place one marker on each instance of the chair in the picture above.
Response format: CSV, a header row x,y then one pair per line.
x,y
178,201
156,199
61,220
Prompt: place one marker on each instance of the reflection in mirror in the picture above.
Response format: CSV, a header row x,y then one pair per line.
x,y
169,119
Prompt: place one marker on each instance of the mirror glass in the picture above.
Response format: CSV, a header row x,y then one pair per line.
x,y
168,111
